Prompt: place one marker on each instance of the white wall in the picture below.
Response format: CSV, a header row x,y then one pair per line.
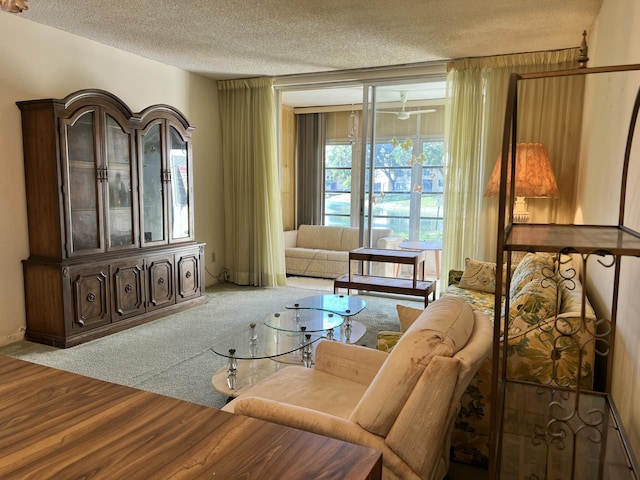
x,y
609,99
41,62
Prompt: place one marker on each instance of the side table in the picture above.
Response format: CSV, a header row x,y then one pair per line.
x,y
435,247
402,286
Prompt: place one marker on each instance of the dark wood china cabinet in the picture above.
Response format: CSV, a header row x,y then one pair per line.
x,y
110,213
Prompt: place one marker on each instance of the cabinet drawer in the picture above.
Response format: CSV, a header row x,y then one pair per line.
x,y
189,275
129,297
160,285
90,297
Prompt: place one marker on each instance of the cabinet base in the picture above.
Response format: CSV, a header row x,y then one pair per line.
x,y
99,332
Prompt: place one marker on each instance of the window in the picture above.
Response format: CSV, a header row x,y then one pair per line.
x,y
407,185
337,184
408,188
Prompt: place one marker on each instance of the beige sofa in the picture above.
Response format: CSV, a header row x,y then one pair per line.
x,y
402,403
323,251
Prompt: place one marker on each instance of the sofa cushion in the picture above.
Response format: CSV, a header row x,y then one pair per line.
x,y
350,239
320,237
308,388
482,301
532,265
443,328
533,304
337,256
306,253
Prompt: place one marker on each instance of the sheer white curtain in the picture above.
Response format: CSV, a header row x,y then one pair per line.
x,y
549,112
253,213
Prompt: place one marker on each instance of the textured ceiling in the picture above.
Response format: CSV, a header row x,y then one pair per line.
x,y
247,38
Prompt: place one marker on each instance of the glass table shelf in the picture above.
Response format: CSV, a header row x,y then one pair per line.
x,y
344,305
267,342
311,321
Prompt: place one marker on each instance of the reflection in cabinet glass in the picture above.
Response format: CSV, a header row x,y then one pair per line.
x,y
119,179
180,186
153,186
83,192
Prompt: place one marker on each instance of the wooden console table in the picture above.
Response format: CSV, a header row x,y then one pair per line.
x,y
58,424
401,286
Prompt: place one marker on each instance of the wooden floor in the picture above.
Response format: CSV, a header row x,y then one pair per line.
x,y
55,424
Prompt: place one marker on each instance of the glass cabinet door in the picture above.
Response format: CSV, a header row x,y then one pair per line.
x,y
120,198
83,179
179,194
153,185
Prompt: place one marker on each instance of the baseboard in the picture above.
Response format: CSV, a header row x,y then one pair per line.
x,y
13,338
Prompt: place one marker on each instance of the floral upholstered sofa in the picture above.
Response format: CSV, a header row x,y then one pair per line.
x,y
545,300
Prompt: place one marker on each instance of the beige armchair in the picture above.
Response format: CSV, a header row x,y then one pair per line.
x,y
402,403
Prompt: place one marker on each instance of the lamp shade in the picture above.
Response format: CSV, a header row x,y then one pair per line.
x,y
534,175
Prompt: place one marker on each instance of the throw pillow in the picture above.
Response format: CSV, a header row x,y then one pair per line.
x,y
407,315
480,276
532,266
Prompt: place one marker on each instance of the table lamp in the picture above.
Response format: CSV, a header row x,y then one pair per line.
x,y
534,178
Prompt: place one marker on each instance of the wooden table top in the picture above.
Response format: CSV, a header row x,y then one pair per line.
x,y
56,424
413,257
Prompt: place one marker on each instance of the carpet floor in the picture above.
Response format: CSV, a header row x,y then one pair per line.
x,y
172,356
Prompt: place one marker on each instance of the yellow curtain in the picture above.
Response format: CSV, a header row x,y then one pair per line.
x,y
549,112
253,213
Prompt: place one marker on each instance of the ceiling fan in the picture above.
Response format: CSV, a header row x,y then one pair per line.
x,y
403,114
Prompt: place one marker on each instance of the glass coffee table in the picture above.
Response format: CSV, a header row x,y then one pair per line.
x,y
257,350
259,341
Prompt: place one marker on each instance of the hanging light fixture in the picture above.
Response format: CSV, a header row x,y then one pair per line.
x,y
353,130
14,6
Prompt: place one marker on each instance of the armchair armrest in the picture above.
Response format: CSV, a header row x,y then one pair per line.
x,y
351,362
290,238
323,424
304,419
390,242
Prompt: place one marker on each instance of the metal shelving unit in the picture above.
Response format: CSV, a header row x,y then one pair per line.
x,y
544,430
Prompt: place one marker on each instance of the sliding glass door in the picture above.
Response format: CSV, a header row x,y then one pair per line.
x,y
402,160
381,156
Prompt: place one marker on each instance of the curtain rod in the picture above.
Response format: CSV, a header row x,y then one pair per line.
x,y
557,50
359,74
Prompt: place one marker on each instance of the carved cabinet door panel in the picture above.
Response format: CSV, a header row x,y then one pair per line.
x,y
128,289
189,281
161,276
90,288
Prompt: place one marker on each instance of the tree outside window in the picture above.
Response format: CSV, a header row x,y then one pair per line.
x,y
407,187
